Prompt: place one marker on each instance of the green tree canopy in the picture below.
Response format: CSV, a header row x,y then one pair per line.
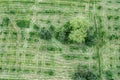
x,y
74,30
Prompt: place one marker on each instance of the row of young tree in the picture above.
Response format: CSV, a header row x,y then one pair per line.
x,y
77,30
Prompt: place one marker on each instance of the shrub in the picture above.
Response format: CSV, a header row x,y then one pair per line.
x,y
109,17
90,38
71,56
99,7
113,36
50,48
90,76
45,34
74,47
53,48
49,72
96,34
5,21
23,23
109,75
35,27
52,28
116,17
73,31
62,36
86,58
83,74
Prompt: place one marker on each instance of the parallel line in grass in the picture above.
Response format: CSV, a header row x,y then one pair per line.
x,y
17,2
39,67
67,3
22,43
40,12
20,69
62,4
11,78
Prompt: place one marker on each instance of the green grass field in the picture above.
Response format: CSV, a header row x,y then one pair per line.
x,y
24,56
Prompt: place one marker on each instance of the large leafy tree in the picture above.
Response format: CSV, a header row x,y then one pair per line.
x,y
74,30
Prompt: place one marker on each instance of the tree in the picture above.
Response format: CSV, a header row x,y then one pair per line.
x,y
74,30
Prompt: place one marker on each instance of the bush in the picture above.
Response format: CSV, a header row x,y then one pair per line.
x,y
83,74
109,75
96,34
62,36
71,56
74,47
73,31
99,7
23,23
5,21
45,34
90,38
52,28
49,72
35,27
50,48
